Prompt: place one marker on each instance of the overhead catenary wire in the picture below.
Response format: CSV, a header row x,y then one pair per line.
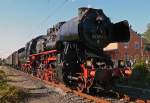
x,y
55,11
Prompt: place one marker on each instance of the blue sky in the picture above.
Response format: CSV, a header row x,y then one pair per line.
x,y
21,20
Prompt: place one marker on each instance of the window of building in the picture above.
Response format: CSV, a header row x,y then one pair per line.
x,y
137,45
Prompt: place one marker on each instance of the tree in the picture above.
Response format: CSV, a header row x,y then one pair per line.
x,y
146,36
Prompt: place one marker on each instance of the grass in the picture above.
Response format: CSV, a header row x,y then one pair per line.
x,y
8,93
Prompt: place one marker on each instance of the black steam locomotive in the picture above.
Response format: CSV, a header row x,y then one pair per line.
x,y
72,51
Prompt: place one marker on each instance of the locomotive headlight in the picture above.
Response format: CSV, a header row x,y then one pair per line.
x,y
89,63
92,73
98,63
128,72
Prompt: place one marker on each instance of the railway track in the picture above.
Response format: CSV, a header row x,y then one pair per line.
x,y
124,94
72,96
134,93
75,96
107,97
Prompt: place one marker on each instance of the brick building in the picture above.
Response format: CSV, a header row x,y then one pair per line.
x,y
127,51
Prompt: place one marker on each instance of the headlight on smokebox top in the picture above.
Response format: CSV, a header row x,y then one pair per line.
x,y
88,63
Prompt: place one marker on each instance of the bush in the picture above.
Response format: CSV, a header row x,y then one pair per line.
x,y
2,72
141,69
2,78
141,74
8,93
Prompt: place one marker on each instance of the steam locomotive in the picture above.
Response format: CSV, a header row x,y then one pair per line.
x,y
72,51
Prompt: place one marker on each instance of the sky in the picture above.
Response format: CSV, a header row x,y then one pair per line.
x,y
22,20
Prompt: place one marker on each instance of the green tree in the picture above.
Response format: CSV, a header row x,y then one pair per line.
x,y
146,36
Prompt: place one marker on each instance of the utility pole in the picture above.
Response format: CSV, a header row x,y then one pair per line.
x,y
141,42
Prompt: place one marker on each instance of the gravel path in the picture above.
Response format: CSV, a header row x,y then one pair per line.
x,y
36,90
